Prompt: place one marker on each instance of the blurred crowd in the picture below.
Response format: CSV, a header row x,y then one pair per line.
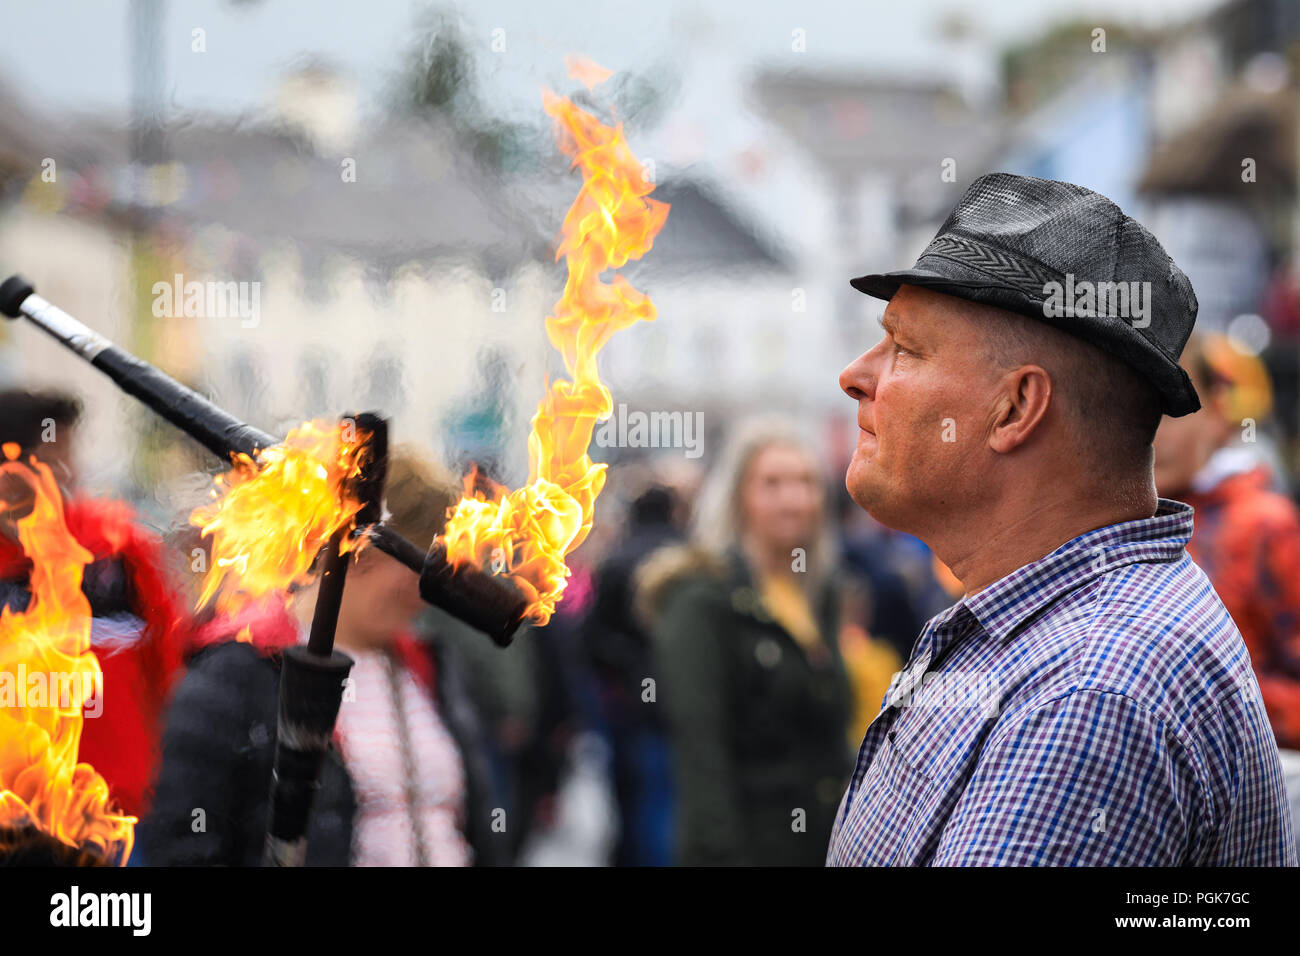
x,y
728,632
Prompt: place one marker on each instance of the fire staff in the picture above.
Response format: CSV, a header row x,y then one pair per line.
x,y
487,602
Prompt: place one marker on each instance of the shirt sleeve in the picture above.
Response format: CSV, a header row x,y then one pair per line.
x,y
1087,779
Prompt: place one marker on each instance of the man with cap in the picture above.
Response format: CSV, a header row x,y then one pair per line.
x,y
1088,701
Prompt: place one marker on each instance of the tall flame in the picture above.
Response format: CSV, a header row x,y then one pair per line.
x,y
47,673
529,531
272,516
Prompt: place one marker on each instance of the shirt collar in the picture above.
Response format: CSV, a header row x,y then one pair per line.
x,y
1002,607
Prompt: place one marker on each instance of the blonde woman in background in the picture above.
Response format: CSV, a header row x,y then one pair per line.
x,y
746,623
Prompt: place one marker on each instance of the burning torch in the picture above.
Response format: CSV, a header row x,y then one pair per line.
x,y
489,603
311,677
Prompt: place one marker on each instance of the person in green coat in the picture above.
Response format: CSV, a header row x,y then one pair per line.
x,y
746,624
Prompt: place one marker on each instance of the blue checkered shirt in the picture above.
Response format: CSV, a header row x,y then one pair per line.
x,y
1094,707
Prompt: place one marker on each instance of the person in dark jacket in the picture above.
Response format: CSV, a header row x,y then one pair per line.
x,y
747,624
404,782
621,658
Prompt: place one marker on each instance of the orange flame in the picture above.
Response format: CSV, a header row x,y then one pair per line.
x,y
528,532
272,516
47,673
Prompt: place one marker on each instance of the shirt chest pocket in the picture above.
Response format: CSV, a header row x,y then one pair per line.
x,y
898,799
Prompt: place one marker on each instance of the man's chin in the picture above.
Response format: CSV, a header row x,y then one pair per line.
x,y
861,485
870,491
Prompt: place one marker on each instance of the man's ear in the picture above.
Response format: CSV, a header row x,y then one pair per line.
x,y
1024,398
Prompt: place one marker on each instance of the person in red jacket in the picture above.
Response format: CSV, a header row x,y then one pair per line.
x,y
1247,534
139,622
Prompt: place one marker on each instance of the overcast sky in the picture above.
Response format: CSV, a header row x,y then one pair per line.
x,y
76,53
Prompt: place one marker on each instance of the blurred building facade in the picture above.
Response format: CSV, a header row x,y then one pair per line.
x,y
398,271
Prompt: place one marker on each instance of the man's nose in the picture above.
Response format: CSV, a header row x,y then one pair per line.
x,y
858,380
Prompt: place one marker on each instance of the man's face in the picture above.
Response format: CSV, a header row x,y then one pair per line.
x,y
923,412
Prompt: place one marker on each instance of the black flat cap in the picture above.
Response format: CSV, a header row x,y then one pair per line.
x,y
1069,257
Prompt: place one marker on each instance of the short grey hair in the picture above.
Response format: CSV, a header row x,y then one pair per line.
x,y
1112,408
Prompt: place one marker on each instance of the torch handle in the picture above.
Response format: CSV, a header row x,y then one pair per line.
x,y
214,428
329,596
487,602
311,690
